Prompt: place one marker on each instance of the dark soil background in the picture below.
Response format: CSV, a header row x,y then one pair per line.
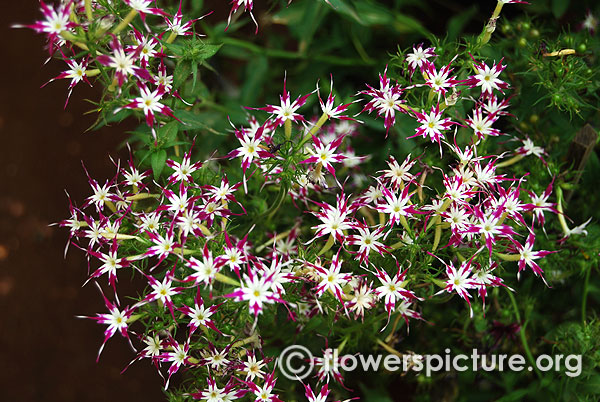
x,y
46,354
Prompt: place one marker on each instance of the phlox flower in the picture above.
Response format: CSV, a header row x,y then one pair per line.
x,y
162,291
143,8
331,278
116,320
56,20
419,57
149,102
179,356
481,125
328,108
398,174
249,150
162,245
406,312
487,78
256,290
367,241
145,46
325,154
439,80
199,314
590,22
287,109
205,270
102,194
320,397
178,27
235,254
183,170
432,124
110,264
124,64
460,281
253,367
392,289
529,148
265,393
489,225
385,101
539,204
484,279
363,299
396,206
248,5
334,220
528,256
212,393
76,73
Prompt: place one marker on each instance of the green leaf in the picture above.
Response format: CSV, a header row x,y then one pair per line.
x,y
373,13
108,116
306,28
177,49
208,51
457,23
157,161
168,133
196,121
342,7
406,24
181,73
256,74
559,7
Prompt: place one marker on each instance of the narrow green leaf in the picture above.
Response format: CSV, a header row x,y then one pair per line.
x,y
459,21
196,121
406,24
168,132
342,7
559,7
256,73
175,48
157,161
207,51
183,69
373,13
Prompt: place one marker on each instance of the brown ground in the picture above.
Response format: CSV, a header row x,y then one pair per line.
x,y
46,354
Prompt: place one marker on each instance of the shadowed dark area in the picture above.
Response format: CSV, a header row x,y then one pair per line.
x,y
48,354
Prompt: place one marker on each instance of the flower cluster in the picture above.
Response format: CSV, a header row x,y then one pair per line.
x,y
338,259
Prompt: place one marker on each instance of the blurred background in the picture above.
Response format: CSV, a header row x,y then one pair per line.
x,y
46,353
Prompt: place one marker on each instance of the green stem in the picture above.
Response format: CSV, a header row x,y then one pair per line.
x,y
316,127
252,339
88,10
509,257
405,224
522,333
438,234
287,127
125,23
561,214
171,37
586,282
327,245
278,201
510,161
225,279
